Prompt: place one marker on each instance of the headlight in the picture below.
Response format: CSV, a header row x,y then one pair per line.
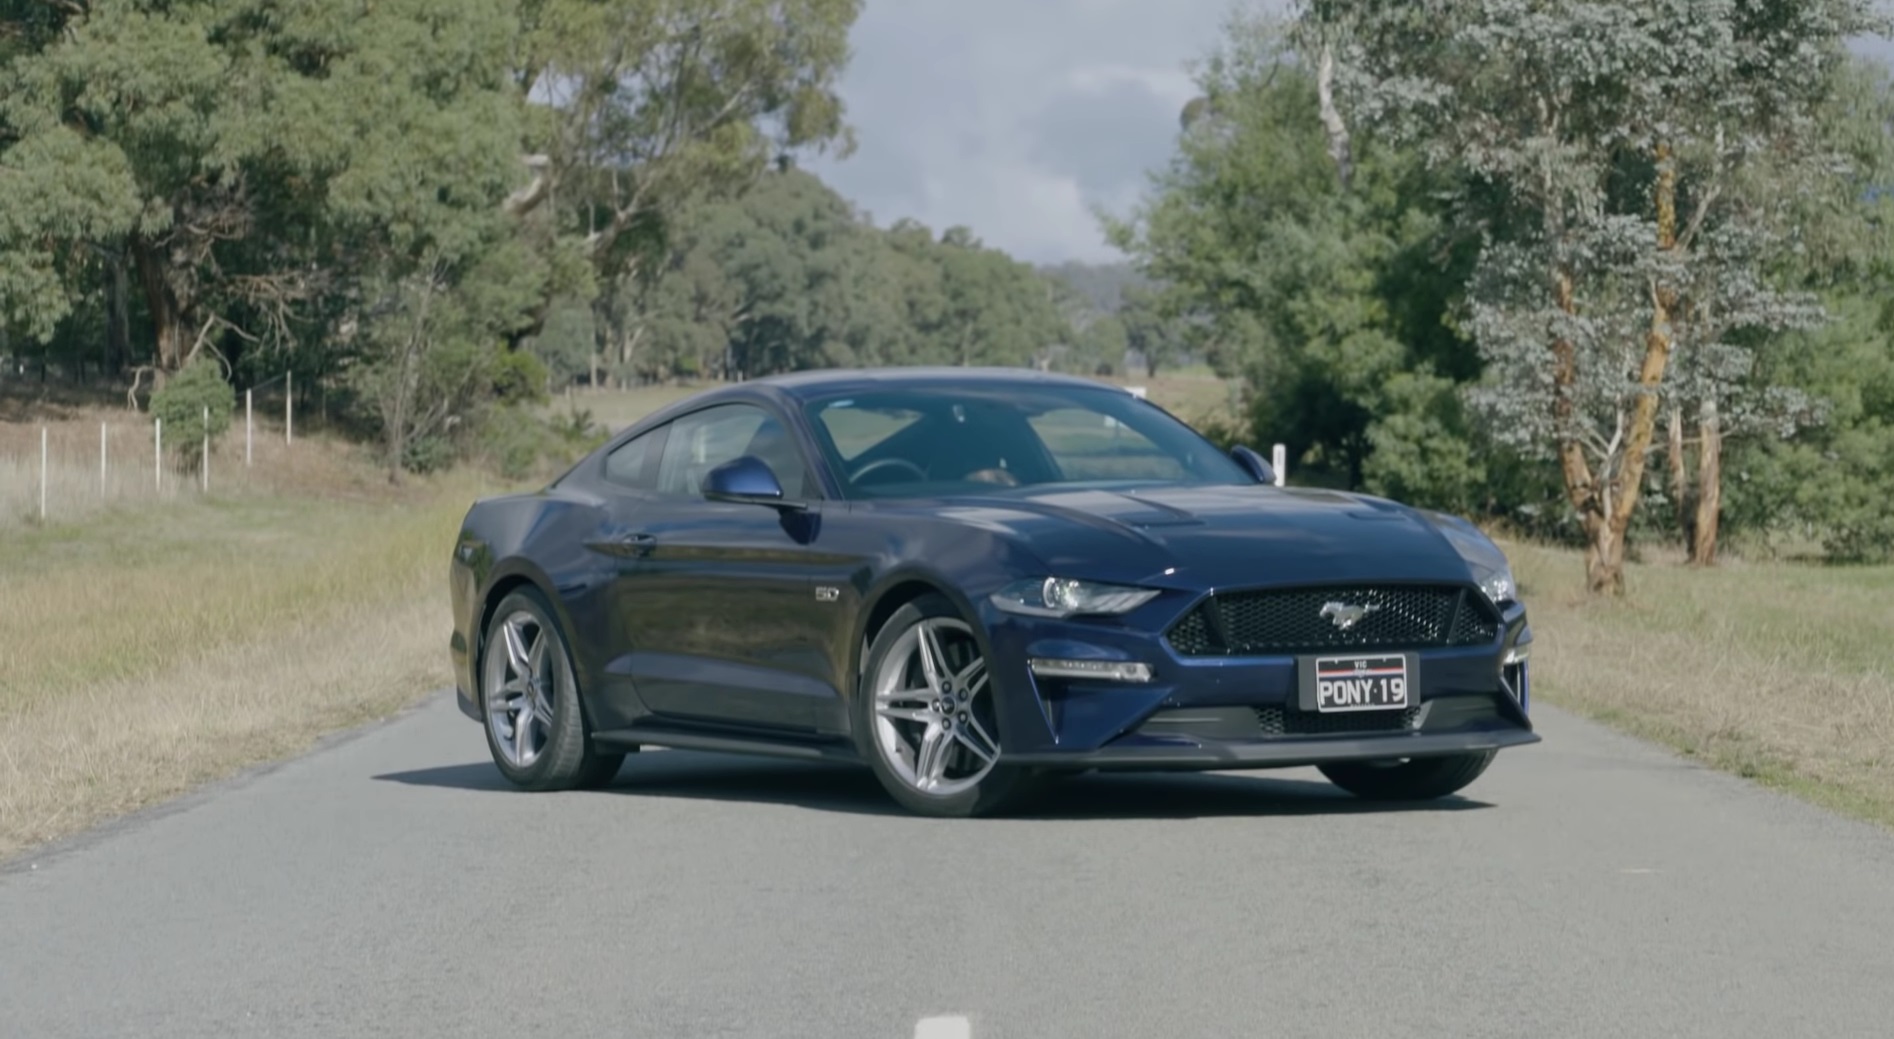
x,y
1496,583
1487,563
1064,597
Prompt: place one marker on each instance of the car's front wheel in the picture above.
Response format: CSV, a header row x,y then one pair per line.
x,y
535,724
925,715
1413,779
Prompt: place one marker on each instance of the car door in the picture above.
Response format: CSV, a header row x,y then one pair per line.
x,y
731,610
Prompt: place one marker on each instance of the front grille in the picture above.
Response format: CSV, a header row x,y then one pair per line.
x,y
1276,721
1292,620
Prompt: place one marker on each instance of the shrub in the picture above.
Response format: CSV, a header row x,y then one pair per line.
x,y
520,444
186,397
518,378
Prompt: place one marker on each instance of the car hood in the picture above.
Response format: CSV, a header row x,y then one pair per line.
x,y
1222,536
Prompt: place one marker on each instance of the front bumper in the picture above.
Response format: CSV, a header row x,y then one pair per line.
x,y
1204,712
1210,754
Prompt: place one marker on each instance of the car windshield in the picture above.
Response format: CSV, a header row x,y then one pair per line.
x,y
930,442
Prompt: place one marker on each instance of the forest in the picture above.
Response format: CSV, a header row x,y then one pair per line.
x,y
1605,274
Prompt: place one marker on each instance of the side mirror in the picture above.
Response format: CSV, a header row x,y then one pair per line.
x,y
746,481
1254,464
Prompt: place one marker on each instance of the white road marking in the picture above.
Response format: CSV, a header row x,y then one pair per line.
x,y
943,1028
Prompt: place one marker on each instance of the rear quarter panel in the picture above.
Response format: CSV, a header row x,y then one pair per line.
x,y
533,539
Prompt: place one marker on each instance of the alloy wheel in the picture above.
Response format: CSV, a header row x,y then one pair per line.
x,y
934,723
521,668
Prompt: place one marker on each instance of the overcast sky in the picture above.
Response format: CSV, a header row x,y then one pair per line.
x,y
1015,117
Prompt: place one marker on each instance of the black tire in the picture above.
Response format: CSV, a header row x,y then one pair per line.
x,y
567,759
1418,779
1002,786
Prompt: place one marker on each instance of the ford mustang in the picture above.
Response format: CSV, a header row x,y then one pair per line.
x,y
969,580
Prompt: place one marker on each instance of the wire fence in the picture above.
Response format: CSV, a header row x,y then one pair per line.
x,y
70,469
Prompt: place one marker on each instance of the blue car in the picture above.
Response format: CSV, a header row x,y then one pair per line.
x,y
970,580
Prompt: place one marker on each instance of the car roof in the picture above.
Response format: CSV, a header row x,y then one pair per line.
x,y
823,382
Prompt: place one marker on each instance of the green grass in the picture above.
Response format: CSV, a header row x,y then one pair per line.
x,y
1778,672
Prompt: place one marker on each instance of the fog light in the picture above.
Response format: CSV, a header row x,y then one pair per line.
x,y
1095,670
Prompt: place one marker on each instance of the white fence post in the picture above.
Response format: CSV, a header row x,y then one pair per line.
x,y
157,453
289,408
1279,461
102,491
203,466
249,431
42,474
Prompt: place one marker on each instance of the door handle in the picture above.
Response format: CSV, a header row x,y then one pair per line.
x,y
631,543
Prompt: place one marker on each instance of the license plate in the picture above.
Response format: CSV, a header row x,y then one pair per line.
x,y
1365,683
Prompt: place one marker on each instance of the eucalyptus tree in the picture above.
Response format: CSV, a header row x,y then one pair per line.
x,y
1834,481
1317,266
254,162
643,106
1612,135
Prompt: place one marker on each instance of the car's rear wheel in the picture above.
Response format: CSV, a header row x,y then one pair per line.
x,y
925,716
1412,779
535,723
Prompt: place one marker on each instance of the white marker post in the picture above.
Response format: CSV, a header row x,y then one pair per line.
x,y
203,467
42,474
289,408
102,428
157,453
249,428
1279,461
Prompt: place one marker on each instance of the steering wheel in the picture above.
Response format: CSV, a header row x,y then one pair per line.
x,y
882,463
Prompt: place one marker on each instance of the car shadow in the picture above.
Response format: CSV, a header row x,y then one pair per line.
x,y
697,775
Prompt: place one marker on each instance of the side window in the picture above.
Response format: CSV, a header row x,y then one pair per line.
x,y
704,440
634,463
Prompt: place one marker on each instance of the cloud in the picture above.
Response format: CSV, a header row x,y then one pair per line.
x,y
1016,117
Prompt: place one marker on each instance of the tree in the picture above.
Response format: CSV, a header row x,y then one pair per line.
x,y
1834,480
997,310
789,275
645,105
425,281
1327,296
1158,333
1609,136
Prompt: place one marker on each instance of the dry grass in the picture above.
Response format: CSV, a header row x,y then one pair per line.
x,y
1196,396
1774,671
616,409
118,746
147,650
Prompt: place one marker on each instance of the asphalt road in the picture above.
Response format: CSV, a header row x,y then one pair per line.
x,y
388,886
